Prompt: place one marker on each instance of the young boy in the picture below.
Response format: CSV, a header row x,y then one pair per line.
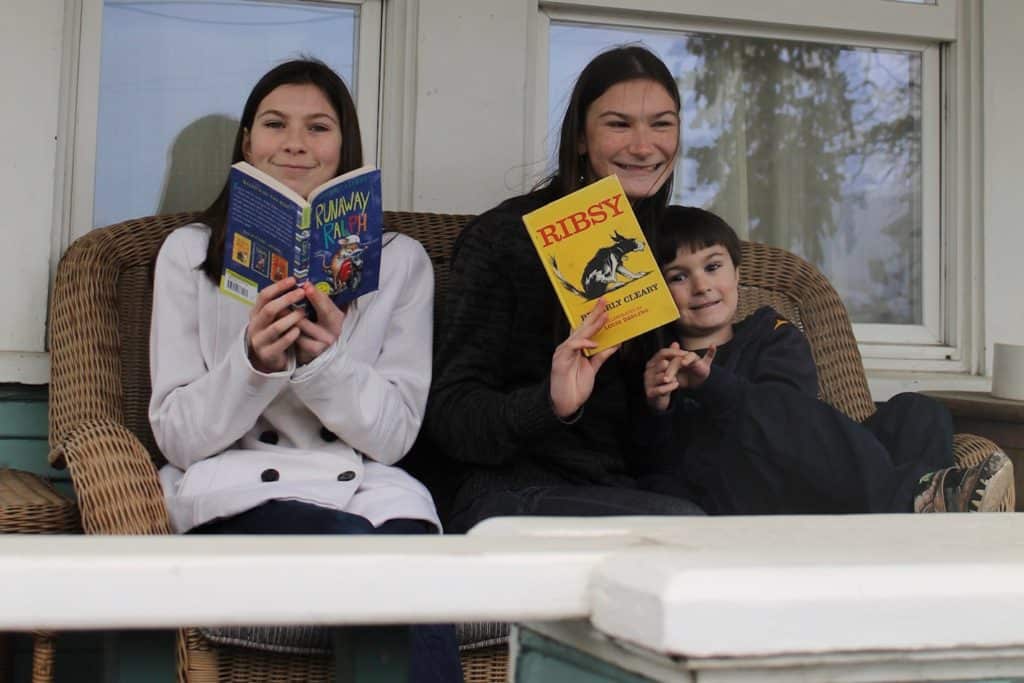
x,y
733,420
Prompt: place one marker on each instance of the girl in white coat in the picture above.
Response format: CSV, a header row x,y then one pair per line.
x,y
272,422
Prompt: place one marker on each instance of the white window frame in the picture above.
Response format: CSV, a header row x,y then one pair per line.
x,y
81,93
397,124
946,341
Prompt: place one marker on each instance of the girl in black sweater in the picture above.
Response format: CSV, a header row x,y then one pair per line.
x,y
505,404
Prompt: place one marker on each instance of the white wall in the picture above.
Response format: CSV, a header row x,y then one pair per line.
x,y
1004,173
469,106
30,65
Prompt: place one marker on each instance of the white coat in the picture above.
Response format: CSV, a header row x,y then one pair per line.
x,y
326,433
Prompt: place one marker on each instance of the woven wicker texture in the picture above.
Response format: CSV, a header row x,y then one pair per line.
x,y
486,665
437,233
44,654
99,330
99,393
30,505
200,661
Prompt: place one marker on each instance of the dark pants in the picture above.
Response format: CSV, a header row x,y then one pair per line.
x,y
799,455
433,650
569,501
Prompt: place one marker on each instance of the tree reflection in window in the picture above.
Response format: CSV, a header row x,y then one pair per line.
x,y
813,147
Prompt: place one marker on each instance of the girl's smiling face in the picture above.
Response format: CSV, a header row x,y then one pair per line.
x,y
295,137
632,131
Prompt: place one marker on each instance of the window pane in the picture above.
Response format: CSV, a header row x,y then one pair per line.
x,y
174,76
812,147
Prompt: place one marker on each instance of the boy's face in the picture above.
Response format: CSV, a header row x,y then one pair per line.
x,y
705,287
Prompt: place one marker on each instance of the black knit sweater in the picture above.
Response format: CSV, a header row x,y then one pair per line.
x,y
489,406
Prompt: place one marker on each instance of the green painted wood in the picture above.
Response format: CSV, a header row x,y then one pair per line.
x,y
541,659
25,419
65,488
29,455
24,392
79,657
24,430
371,654
139,657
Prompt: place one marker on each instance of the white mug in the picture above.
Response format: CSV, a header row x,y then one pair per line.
x,y
1008,371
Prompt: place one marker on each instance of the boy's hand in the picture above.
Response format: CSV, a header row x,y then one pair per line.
x,y
274,326
660,376
572,373
694,369
316,336
673,368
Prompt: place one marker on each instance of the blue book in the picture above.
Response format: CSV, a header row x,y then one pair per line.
x,y
332,240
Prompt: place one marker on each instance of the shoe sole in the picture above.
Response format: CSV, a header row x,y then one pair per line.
x,y
995,485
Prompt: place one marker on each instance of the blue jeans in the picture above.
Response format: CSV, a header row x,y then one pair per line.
x,y
433,650
569,501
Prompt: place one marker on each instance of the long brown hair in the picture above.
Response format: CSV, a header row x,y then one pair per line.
x,y
295,72
614,66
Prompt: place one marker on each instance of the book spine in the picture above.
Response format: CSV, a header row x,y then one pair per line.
x,y
301,259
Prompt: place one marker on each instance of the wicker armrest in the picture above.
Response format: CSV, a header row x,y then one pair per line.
x,y
115,480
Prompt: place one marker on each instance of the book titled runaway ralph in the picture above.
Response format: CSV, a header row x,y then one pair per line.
x,y
592,246
333,239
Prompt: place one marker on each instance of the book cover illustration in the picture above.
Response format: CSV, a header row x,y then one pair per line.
x,y
591,246
332,240
345,242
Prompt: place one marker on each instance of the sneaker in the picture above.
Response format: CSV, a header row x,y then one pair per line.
x,y
981,488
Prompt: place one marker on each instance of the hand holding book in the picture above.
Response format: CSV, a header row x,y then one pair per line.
x,y
316,334
573,372
274,325
592,246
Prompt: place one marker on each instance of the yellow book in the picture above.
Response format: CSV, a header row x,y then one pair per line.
x,y
592,246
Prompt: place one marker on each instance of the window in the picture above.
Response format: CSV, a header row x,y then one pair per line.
x,y
823,142
171,78
813,147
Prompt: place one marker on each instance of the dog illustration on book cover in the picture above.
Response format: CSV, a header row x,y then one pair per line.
x,y
601,274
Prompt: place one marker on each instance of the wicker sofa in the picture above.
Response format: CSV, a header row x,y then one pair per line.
x,y
99,393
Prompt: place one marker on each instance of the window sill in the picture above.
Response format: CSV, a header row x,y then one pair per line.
x,y
885,384
24,367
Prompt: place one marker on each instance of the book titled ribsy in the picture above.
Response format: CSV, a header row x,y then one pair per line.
x,y
592,246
